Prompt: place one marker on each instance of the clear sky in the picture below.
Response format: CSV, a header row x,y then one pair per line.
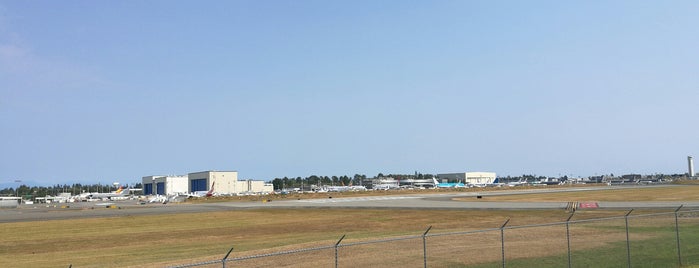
x,y
104,91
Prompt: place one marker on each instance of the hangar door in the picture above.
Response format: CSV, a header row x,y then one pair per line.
x,y
147,188
198,185
160,188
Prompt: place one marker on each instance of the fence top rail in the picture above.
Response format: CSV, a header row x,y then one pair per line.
x,y
382,240
464,232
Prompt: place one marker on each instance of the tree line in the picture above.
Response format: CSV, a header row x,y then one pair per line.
x,y
345,180
29,192
279,183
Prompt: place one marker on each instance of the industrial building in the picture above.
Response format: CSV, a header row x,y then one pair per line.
x,y
165,185
222,182
474,178
225,182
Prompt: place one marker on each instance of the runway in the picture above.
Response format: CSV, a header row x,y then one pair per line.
x,y
42,212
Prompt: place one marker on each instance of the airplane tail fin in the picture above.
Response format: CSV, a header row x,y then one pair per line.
x,y
435,181
211,192
125,191
121,188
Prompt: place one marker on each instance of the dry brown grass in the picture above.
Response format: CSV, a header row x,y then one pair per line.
x,y
678,193
148,240
166,239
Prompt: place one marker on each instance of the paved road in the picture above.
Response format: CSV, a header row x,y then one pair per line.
x,y
415,201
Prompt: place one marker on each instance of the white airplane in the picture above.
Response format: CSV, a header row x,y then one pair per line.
x,y
521,181
336,188
385,187
121,192
448,184
164,199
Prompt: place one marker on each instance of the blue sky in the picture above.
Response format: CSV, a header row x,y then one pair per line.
x,y
103,91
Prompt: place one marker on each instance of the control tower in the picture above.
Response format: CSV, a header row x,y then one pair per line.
x,y
690,162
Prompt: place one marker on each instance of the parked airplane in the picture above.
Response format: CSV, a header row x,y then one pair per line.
x,y
121,192
341,188
164,199
521,181
448,184
204,193
495,183
384,187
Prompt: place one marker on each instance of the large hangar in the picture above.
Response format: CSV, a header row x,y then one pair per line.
x,y
222,182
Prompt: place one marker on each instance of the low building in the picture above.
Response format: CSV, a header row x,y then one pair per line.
x,y
474,178
481,177
9,201
250,186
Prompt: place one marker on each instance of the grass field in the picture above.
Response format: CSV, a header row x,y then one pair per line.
x,y
160,240
680,193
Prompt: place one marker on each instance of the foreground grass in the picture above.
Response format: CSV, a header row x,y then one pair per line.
x,y
144,241
650,246
167,239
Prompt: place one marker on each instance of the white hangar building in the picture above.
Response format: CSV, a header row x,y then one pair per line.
x,y
223,182
470,177
164,185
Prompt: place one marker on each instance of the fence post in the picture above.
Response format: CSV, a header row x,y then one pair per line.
x,y
336,246
570,264
424,245
223,261
677,232
502,241
628,242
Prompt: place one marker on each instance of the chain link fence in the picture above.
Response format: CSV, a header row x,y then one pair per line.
x,y
668,239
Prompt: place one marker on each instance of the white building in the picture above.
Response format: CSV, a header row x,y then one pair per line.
x,y
474,178
225,182
9,201
250,186
222,182
481,177
165,185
